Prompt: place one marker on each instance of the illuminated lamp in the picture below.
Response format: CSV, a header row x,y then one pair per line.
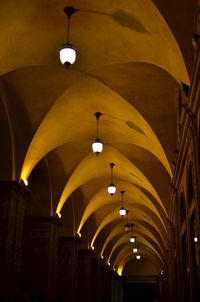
x,y
111,187
68,52
132,239
97,145
122,211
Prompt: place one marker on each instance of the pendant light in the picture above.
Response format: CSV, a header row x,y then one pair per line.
x,y
132,238
127,225
97,146
135,249
122,211
68,52
111,187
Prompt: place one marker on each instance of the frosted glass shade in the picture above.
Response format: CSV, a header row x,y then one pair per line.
x,y
132,239
122,212
97,146
111,189
67,54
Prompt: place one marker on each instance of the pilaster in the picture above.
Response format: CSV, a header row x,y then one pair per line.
x,y
67,268
39,256
12,208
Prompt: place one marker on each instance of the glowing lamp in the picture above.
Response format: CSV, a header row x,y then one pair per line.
x,y
68,52
132,239
122,212
97,146
111,189
67,55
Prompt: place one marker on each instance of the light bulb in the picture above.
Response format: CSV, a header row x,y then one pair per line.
x,y
135,249
138,257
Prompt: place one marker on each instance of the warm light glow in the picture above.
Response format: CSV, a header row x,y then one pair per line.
x,y
59,215
79,235
122,212
108,263
195,239
138,257
97,146
25,182
111,189
132,239
92,247
67,54
101,256
135,249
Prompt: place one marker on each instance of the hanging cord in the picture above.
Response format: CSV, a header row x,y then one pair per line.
x,y
98,114
69,11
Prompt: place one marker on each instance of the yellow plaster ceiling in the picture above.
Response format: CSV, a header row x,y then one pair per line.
x,y
129,67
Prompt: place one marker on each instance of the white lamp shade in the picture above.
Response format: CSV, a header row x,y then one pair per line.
x,y
111,189
138,257
135,249
132,239
122,212
97,146
67,54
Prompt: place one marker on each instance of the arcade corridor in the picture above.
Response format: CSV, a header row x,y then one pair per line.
x,y
100,150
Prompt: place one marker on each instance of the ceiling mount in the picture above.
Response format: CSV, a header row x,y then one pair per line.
x,y
69,11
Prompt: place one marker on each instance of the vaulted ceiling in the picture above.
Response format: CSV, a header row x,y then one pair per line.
x,y
132,57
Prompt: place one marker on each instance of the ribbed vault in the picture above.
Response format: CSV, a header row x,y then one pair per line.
x,y
130,68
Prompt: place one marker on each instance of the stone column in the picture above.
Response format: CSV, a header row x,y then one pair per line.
x,y
106,283
86,279
119,289
13,197
67,269
39,257
97,266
